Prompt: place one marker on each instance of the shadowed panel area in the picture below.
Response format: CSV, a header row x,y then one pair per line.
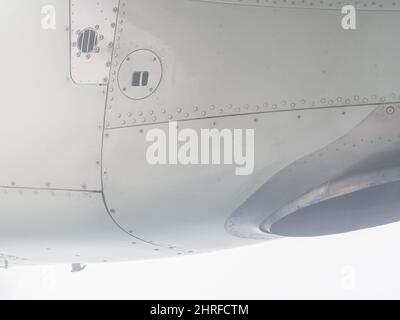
x,y
359,210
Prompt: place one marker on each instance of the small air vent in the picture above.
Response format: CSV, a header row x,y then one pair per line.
x,y
87,40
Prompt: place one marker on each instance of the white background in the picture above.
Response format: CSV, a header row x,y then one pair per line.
x,y
364,264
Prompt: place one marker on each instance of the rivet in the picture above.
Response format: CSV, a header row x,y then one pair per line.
x,y
390,110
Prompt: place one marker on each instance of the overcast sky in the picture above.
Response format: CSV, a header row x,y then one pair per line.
x,y
364,264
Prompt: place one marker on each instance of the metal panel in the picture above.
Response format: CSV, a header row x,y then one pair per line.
x,y
93,24
187,206
377,5
63,227
50,128
221,59
364,159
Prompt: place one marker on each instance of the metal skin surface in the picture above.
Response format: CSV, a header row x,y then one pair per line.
x,y
75,185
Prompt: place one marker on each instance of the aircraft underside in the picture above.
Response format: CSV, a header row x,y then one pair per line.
x,y
82,93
